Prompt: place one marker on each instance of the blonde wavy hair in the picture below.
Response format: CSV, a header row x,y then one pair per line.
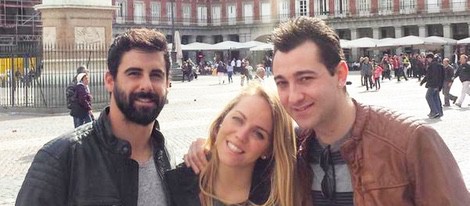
x,y
281,162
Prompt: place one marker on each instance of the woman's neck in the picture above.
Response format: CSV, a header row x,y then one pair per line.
x,y
233,184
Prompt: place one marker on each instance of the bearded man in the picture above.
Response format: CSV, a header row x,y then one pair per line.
x,y
120,158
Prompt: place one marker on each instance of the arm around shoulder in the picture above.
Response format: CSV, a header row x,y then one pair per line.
x,y
44,184
435,176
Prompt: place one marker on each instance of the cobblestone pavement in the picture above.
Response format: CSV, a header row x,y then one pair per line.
x,y
193,105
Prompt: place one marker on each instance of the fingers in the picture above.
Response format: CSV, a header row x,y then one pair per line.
x,y
196,156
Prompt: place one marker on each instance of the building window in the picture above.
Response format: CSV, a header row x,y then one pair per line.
x,y
121,12
216,15
322,8
363,7
155,10
385,7
232,14
186,14
301,7
433,6
170,11
341,8
139,12
248,13
283,9
265,12
202,16
407,6
458,5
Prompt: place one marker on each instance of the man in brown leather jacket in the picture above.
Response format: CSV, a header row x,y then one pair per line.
x,y
355,153
351,153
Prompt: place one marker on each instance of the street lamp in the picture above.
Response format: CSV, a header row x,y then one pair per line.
x,y
175,72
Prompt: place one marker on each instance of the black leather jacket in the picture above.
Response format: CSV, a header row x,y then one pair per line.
x,y
183,185
88,166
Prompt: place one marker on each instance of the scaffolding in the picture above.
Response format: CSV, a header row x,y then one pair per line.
x,y
19,22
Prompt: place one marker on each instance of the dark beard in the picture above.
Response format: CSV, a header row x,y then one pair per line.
x,y
142,116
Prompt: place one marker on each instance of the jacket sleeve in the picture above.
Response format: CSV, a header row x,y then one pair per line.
x,y
435,176
44,184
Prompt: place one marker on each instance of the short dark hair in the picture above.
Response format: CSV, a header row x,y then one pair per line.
x,y
142,39
295,32
82,69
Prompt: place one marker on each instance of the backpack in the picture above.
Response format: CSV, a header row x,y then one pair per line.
x,y
70,95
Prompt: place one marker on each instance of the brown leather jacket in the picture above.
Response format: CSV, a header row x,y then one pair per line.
x,y
394,160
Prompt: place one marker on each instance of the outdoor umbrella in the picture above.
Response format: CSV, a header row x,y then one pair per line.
x,y
228,45
386,42
344,43
250,44
464,41
196,46
438,40
264,47
364,42
178,48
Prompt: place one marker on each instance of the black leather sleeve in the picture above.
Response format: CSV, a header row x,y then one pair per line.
x,y
44,183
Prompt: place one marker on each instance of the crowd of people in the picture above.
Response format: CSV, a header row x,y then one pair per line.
x,y
342,152
435,72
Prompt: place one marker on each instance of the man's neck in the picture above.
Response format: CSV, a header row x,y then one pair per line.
x,y
337,127
138,136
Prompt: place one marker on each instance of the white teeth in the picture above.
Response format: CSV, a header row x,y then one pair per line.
x,y
234,148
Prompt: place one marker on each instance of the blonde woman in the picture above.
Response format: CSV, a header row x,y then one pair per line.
x,y
252,160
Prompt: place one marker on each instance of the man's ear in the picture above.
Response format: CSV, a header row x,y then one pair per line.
x,y
342,71
109,81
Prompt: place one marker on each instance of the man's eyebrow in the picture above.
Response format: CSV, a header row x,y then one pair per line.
x,y
133,69
296,74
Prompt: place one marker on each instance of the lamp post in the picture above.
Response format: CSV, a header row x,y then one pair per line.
x,y
175,71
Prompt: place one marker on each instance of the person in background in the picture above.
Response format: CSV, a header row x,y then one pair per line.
x,y
351,153
434,80
260,74
121,157
230,68
81,110
448,79
366,70
377,72
221,72
251,141
463,72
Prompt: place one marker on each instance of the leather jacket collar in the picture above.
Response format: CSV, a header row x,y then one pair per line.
x,y
120,146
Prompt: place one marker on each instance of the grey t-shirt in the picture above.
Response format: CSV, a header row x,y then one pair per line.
x,y
150,185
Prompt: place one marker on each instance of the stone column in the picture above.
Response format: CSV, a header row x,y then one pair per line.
x,y
354,51
80,22
422,30
422,33
448,34
398,34
376,35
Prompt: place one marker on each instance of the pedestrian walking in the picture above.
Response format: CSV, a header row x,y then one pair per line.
x,y
448,79
463,72
434,80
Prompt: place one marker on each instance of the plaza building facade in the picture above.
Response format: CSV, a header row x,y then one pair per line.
x,y
213,21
